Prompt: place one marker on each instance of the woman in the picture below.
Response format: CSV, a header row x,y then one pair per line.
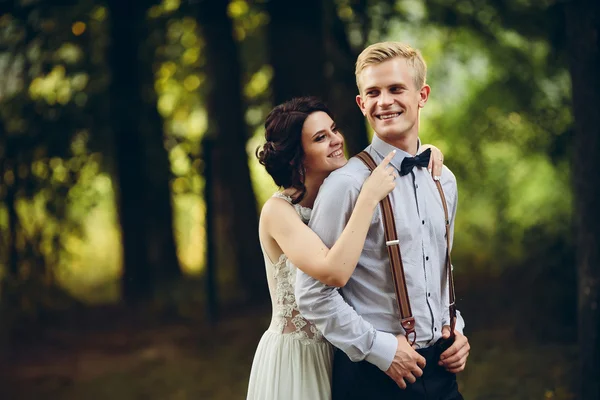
x,y
303,145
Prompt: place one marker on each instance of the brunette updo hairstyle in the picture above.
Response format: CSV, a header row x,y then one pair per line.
x,y
282,154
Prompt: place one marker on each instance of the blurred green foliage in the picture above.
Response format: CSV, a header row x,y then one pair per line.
x,y
498,110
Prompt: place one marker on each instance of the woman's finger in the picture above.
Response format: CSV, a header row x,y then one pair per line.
x,y
387,159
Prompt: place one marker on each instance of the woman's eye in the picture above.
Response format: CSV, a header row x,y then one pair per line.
x,y
319,138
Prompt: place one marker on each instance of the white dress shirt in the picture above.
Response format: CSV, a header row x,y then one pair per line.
x,y
362,318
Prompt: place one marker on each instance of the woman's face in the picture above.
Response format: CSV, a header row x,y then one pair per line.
x,y
323,144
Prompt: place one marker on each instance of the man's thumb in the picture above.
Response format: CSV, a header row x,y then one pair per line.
x,y
445,331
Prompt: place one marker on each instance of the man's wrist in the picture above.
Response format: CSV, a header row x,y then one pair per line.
x,y
383,350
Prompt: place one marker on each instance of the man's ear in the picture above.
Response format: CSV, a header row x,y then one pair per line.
x,y
424,95
361,104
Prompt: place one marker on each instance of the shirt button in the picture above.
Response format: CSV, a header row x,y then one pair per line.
x,y
427,258
423,222
435,329
428,294
416,186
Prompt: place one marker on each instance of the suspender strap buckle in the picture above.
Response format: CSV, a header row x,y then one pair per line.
x,y
392,242
408,324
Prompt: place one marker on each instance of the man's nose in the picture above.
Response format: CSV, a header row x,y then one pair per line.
x,y
384,100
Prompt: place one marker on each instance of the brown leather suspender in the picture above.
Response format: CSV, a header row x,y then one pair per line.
x,y
449,274
397,268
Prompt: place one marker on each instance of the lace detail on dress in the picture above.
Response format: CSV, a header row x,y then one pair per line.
x,y
303,212
288,319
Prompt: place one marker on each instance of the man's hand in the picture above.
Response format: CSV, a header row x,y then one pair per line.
x,y
407,364
454,359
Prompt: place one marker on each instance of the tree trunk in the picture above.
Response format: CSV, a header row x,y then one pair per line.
x,y
583,35
212,294
143,169
297,49
236,216
342,97
11,202
316,61
6,313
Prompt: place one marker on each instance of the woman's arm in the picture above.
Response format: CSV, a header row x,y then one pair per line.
x,y
305,249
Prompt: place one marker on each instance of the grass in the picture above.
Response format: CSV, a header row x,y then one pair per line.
x,y
129,360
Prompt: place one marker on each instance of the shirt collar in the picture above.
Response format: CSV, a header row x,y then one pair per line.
x,y
383,149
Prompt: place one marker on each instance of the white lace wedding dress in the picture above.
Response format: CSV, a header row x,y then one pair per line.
x,y
293,360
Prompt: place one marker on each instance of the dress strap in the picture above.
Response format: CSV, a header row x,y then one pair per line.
x,y
303,212
283,196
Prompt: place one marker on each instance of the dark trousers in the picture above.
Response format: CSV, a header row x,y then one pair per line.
x,y
363,380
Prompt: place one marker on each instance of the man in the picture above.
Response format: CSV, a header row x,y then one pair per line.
x,y
376,360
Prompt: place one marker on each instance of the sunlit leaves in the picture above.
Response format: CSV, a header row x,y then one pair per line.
x,y
11,31
192,82
55,87
179,78
166,104
259,82
263,184
496,113
412,10
171,5
10,68
190,56
539,185
165,7
237,8
9,177
197,123
246,20
189,215
99,14
78,28
180,163
69,53
179,86
46,152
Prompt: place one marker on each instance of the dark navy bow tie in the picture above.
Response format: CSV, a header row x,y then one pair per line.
x,y
420,160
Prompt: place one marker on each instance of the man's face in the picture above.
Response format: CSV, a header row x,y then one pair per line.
x,y
390,99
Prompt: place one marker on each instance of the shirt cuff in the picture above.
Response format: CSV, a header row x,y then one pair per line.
x,y
383,350
460,322
460,325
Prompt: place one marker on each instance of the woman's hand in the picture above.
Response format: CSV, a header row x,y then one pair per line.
x,y
381,181
436,161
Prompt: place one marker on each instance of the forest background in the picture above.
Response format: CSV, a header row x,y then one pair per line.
x,y
129,191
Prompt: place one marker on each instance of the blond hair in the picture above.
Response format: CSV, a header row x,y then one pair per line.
x,y
383,51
